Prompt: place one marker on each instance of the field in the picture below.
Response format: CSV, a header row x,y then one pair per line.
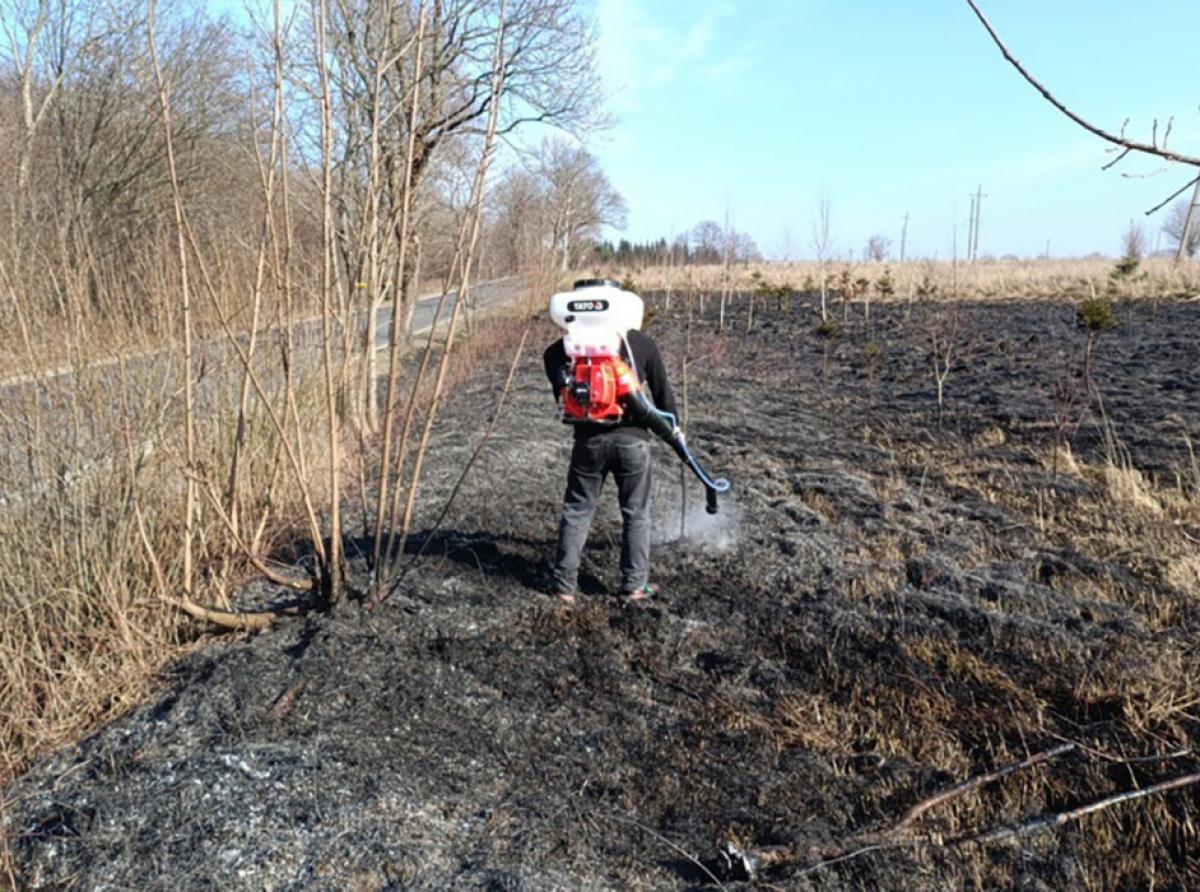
x,y
986,279
900,595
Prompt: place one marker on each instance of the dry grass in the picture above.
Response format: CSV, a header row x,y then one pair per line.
x,y
85,629
89,617
1183,573
88,606
1127,487
1061,460
1049,279
55,317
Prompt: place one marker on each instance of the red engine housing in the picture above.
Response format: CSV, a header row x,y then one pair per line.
x,y
594,389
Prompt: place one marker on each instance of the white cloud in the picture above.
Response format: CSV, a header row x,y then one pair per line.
x,y
643,48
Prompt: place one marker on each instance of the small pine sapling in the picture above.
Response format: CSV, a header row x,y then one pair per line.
x,y
1095,316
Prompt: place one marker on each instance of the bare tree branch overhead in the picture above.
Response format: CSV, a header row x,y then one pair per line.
x,y
1166,201
1118,139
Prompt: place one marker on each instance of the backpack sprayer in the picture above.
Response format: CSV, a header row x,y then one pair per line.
x,y
599,386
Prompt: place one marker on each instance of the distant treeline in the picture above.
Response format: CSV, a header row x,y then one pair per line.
x,y
706,243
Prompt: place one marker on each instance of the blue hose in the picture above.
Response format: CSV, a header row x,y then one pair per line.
x,y
666,426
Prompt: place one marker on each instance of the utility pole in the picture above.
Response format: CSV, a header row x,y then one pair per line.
x,y
973,233
903,236
1189,222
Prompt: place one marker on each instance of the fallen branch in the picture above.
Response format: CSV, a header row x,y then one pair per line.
x,y
899,835
748,862
944,796
1047,822
1124,760
228,619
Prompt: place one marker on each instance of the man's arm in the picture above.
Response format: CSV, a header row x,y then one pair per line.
x,y
554,359
654,373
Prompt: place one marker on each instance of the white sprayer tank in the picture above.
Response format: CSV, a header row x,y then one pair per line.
x,y
596,315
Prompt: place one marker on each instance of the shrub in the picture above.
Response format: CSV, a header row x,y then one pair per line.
x,y
927,287
884,286
1096,315
1126,267
1134,241
828,329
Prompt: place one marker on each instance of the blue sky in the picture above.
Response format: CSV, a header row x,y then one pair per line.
x,y
888,108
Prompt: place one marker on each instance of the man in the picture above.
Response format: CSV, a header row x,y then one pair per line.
x,y
622,449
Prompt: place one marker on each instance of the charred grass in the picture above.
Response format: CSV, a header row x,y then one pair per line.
x,y
909,598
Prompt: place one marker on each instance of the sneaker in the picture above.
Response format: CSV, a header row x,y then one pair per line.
x,y
649,590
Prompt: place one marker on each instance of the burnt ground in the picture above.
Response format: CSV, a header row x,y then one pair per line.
x,y
891,603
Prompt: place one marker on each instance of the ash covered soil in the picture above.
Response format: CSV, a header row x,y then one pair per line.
x,y
887,606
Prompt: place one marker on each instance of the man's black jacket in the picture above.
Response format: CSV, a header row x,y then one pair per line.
x,y
650,371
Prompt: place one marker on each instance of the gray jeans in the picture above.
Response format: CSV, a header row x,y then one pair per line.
x,y
628,459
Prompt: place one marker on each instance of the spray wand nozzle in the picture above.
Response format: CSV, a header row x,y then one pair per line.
x,y
663,424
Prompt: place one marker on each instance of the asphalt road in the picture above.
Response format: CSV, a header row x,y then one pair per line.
x,y
63,424
484,297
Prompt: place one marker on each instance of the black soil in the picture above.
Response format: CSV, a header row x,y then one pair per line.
x,y
887,605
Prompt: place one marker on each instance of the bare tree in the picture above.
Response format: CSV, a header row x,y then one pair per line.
x,y
24,24
580,198
549,73
1174,225
728,244
822,245
188,373
91,171
745,248
878,248
376,77
518,239
706,240
947,333
549,206
1133,241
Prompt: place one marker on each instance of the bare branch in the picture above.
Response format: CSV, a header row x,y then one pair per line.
x,y
1173,196
1116,139
1048,822
900,836
226,619
944,796
1121,157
